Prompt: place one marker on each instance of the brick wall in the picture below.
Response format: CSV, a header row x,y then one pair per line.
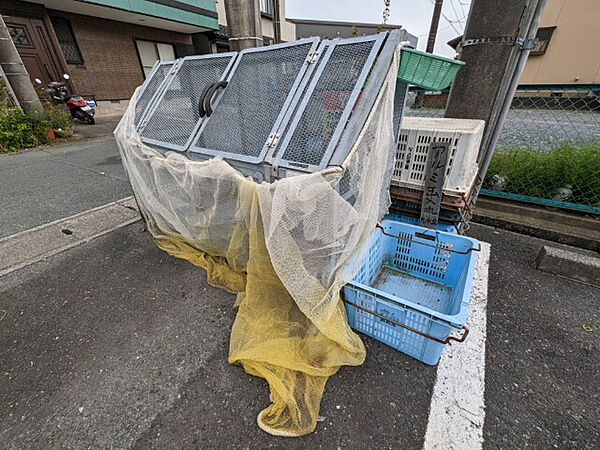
x,y
111,69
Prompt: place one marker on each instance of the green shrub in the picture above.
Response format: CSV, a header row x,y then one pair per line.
x,y
57,117
19,130
572,167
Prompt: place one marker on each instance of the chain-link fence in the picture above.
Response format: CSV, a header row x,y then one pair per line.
x,y
549,149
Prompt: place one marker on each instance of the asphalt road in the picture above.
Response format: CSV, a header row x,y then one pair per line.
x,y
115,344
40,186
542,383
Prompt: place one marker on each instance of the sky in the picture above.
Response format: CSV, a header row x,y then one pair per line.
x,y
413,15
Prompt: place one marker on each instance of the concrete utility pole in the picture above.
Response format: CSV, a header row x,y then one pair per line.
x,y
433,28
495,46
8,91
16,74
276,22
243,21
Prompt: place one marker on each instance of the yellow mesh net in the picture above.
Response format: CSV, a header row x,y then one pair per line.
x,y
285,248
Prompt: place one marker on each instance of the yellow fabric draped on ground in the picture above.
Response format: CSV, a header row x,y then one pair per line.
x,y
271,337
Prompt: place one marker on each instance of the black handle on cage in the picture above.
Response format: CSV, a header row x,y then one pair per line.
x,y
420,333
430,238
204,107
201,102
209,95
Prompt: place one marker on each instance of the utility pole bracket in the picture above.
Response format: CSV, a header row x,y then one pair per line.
x,y
529,44
525,44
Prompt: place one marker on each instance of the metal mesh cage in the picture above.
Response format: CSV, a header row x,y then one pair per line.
x,y
284,109
312,238
261,84
151,88
174,119
303,91
328,97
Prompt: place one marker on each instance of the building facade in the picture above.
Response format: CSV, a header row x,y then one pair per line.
x,y
105,46
328,29
108,46
568,48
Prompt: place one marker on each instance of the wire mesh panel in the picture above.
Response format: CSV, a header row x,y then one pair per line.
x,y
151,88
328,103
548,151
549,148
175,117
260,86
301,92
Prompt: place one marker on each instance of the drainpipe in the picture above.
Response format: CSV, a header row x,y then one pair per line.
x,y
276,22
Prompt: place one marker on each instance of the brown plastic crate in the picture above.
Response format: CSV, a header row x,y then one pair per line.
x,y
453,202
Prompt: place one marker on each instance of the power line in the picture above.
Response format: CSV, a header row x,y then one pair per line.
x,y
450,22
456,14
462,9
441,29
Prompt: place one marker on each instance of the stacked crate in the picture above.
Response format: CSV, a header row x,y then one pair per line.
x,y
406,190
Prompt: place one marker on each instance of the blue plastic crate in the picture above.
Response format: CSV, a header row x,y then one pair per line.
x,y
413,289
413,220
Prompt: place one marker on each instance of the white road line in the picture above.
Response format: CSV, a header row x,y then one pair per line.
x,y
30,246
457,409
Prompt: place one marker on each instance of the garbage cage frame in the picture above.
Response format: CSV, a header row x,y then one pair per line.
x,y
153,97
279,160
167,145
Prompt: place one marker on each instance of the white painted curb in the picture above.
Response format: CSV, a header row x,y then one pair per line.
x,y
457,409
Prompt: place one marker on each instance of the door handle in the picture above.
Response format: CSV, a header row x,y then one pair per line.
x,y
48,71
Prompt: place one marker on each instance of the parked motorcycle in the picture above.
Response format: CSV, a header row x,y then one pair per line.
x,y
78,107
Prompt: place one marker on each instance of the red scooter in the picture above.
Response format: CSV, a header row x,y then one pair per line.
x,y
78,107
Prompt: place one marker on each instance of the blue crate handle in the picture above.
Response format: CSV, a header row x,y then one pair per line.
x,y
430,238
420,333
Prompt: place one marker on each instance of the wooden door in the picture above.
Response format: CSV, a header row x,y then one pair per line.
x,y
33,44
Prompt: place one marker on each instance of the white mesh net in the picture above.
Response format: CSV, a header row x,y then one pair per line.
x,y
286,248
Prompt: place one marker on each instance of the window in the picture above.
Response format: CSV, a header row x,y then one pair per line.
x,y
543,34
266,7
18,35
150,52
66,39
183,50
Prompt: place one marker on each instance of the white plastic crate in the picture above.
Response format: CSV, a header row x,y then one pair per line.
x,y
411,155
